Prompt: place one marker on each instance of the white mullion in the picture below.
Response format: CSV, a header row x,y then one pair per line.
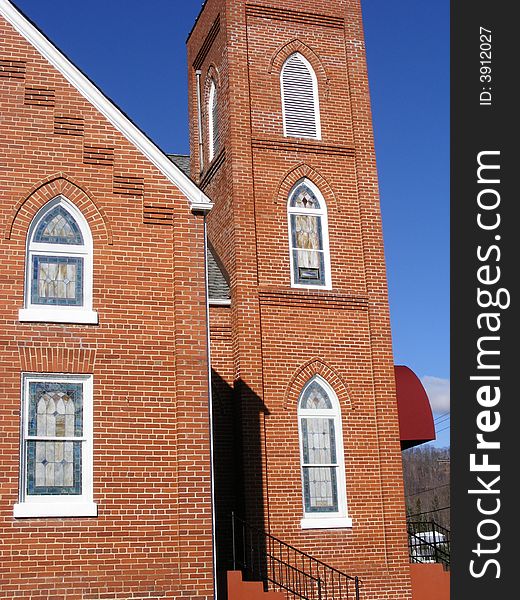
x,y
294,210
66,249
54,439
317,413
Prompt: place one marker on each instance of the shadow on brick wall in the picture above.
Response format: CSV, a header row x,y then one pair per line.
x,y
238,416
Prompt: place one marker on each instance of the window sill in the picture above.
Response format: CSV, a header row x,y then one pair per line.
x,y
326,523
60,314
303,286
25,510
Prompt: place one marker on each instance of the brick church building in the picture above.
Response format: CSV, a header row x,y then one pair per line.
x,y
197,370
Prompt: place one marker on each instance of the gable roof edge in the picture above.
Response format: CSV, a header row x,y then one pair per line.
x,y
198,201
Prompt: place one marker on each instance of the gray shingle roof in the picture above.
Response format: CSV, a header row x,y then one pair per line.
x,y
182,161
218,287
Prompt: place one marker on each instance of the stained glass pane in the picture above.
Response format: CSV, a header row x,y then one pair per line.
x,y
53,468
306,231
320,489
315,397
55,409
308,256
304,197
57,280
319,443
58,227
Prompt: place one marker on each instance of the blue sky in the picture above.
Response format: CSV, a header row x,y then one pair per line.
x,y
135,52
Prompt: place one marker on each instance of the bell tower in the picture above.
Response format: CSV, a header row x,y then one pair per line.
x,y
282,142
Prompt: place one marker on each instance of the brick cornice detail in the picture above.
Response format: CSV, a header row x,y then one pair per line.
x,y
221,330
316,366
47,189
311,298
280,14
308,146
52,359
208,42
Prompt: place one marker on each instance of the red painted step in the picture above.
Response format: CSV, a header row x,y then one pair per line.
x,y
430,582
248,590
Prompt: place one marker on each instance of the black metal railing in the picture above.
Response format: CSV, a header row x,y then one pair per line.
x,y
281,567
429,543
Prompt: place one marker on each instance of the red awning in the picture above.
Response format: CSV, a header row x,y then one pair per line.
x,y
415,413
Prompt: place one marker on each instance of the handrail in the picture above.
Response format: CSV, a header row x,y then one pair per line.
x,y
264,557
429,543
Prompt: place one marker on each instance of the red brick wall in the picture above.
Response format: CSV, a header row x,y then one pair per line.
x,y
226,444
152,538
281,336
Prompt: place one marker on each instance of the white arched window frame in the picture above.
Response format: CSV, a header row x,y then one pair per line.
x,y
308,237
212,120
59,267
322,457
300,98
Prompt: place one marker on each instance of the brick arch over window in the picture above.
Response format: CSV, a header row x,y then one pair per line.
x,y
304,171
283,53
44,191
306,372
38,358
213,73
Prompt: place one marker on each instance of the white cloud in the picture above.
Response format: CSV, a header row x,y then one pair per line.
x,y
438,391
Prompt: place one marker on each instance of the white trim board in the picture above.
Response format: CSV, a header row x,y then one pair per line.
x,y
198,201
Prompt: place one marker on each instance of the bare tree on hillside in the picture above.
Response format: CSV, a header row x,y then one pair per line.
x,y
427,484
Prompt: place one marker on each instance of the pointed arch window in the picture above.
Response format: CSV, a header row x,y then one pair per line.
x,y
300,100
308,235
322,457
58,280
213,120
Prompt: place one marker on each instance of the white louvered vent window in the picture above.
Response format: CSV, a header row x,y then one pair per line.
x,y
213,121
300,104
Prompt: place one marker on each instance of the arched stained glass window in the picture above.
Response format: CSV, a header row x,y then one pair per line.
x,y
315,398
308,231
59,266
304,197
58,227
322,463
300,103
213,120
